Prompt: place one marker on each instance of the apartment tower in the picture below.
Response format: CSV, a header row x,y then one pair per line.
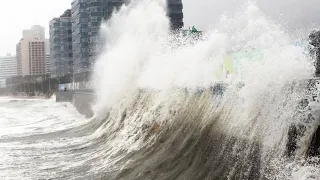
x,y
31,53
87,16
8,68
61,61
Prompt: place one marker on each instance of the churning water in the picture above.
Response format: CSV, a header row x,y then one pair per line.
x,y
163,113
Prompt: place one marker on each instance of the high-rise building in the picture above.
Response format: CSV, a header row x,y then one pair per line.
x,y
97,13
80,48
31,59
47,44
31,52
8,68
47,48
48,64
174,12
35,31
61,61
87,16
86,20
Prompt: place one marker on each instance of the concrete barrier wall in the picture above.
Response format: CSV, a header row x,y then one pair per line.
x,y
79,85
83,100
64,96
84,103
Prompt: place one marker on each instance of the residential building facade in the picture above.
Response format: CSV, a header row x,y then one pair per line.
x,y
175,13
97,13
87,16
30,54
48,63
8,68
61,55
80,47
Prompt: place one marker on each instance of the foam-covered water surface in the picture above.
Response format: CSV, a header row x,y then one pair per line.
x,y
36,138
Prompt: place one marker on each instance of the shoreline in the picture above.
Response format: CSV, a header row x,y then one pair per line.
x,y
26,97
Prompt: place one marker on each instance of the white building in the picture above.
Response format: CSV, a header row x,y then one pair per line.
x,y
47,44
47,63
31,57
35,32
31,52
8,68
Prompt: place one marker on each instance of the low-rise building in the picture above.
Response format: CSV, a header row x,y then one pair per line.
x,y
8,68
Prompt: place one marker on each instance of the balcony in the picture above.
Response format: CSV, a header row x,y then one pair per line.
x,y
176,15
115,3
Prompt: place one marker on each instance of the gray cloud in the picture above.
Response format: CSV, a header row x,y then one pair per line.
x,y
293,14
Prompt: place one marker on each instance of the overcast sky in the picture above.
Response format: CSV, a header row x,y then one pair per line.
x,y
16,15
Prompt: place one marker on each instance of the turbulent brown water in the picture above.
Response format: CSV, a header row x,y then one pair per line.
x,y
165,109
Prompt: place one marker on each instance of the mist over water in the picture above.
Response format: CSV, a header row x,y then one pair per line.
x,y
142,75
143,53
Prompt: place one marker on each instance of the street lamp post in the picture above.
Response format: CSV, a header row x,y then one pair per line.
x,y
73,83
49,83
34,84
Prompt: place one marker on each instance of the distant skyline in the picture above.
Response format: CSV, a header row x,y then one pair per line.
x,y
16,15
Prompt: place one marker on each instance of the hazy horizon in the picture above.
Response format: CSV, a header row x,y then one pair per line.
x,y
291,14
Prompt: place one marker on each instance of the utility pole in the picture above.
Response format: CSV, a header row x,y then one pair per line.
x,y
42,81
49,83
73,83
34,84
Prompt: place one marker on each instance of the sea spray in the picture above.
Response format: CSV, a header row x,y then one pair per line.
x,y
148,82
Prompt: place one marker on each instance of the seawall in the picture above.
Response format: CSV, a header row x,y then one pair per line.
x,y
83,100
